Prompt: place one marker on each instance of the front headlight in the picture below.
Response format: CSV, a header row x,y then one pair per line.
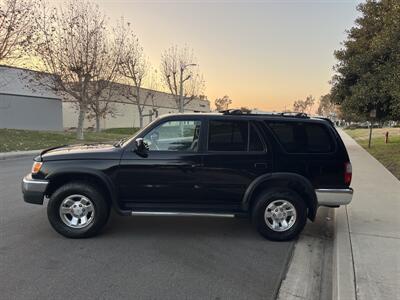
x,y
37,165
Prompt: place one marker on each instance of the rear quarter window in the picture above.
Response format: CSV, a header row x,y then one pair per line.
x,y
302,137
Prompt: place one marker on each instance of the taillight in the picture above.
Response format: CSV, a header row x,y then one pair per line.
x,y
347,173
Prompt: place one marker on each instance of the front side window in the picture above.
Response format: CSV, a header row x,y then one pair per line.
x,y
174,136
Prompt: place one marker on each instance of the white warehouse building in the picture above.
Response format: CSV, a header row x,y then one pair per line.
x,y
125,112
27,102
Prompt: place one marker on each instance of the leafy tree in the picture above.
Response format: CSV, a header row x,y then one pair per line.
x,y
368,69
304,106
326,107
223,103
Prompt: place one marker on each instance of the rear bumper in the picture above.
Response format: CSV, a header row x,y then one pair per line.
x,y
334,197
33,189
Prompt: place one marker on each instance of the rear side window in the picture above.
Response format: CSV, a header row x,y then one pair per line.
x,y
228,136
303,137
234,136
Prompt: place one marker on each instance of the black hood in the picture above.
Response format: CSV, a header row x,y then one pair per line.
x,y
92,151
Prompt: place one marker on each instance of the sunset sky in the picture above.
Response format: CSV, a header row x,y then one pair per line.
x,y
263,54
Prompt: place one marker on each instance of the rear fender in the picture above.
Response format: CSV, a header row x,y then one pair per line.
x,y
293,181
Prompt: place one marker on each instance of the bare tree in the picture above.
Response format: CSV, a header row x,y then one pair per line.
x,y
16,26
134,66
72,44
223,103
101,104
104,85
304,106
181,75
152,85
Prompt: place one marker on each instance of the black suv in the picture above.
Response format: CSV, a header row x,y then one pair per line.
x,y
276,169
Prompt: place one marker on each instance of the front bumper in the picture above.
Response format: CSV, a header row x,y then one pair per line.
x,y
334,197
33,189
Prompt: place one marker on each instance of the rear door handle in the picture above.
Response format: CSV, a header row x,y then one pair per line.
x,y
190,165
260,165
196,165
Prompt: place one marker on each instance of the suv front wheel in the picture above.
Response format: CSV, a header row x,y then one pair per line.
x,y
78,210
279,214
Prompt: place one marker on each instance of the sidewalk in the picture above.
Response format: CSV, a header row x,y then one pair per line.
x,y
15,154
368,249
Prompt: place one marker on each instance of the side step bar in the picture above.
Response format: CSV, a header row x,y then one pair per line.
x,y
180,214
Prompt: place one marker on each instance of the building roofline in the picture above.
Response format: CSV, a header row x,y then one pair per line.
x,y
26,69
121,84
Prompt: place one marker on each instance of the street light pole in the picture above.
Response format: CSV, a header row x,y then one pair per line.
x,y
181,81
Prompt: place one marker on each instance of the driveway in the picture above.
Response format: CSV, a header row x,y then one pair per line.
x,y
135,257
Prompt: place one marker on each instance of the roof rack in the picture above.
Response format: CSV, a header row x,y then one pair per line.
x,y
272,114
232,112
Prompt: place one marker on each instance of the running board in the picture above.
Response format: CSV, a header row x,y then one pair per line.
x,y
180,214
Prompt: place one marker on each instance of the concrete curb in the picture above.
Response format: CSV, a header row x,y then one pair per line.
x,y
309,271
9,155
343,277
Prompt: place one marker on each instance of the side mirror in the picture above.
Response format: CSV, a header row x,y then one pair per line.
x,y
141,147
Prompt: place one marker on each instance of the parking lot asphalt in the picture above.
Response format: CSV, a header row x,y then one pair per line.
x,y
134,257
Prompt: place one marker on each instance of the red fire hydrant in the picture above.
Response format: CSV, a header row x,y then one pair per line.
x,y
387,137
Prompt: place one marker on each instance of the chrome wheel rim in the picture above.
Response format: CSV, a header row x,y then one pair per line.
x,y
280,215
77,211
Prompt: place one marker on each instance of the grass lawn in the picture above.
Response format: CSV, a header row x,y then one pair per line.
x,y
387,154
21,140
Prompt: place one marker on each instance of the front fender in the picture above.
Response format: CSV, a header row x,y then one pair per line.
x,y
72,172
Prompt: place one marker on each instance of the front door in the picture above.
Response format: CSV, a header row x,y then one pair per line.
x,y
167,176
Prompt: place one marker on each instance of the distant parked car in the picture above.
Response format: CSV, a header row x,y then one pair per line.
x,y
275,169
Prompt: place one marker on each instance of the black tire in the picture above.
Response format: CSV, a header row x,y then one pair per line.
x,y
101,209
266,198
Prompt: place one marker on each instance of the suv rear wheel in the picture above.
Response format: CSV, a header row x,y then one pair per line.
x,y
77,210
279,214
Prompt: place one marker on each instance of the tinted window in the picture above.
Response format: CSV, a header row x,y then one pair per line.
x,y
255,143
174,136
228,136
303,137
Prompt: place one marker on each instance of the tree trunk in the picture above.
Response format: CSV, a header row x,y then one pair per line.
x,y
97,123
141,120
81,121
181,106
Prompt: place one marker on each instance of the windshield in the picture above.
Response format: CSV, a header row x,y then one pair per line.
x,y
127,140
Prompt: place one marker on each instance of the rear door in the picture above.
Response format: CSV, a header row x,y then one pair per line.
x,y
235,154
309,148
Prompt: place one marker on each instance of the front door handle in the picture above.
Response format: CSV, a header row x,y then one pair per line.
x,y
260,165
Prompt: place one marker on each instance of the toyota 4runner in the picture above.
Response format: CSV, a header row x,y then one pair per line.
x,y
276,169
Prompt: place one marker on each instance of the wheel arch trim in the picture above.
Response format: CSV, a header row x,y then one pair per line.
x,y
262,180
103,178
